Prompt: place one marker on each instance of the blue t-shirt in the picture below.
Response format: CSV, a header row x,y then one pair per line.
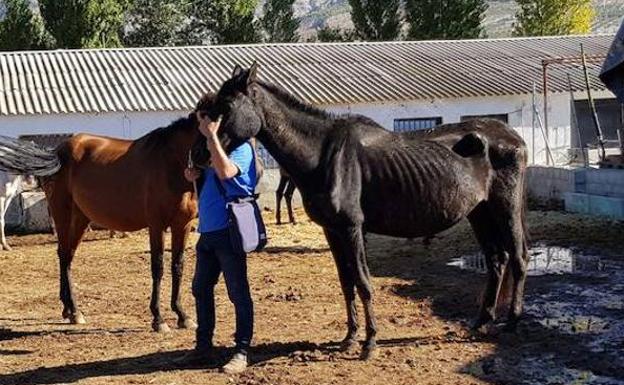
x,y
212,211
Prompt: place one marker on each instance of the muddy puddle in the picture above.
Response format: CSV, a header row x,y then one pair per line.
x,y
546,260
579,298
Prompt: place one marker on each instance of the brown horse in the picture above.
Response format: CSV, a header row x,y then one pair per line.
x,y
122,185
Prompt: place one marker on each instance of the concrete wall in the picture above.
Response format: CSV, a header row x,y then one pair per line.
x,y
266,188
28,213
587,191
605,182
546,185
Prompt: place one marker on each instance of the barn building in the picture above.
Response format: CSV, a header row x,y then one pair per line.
x,y
402,85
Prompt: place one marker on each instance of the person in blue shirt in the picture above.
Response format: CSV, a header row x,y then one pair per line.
x,y
236,172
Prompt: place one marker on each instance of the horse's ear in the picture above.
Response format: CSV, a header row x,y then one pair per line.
x,y
252,73
237,71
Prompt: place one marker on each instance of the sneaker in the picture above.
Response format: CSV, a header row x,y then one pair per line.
x,y
237,364
196,357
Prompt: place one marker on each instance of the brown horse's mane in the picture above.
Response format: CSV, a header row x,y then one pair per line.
x,y
162,135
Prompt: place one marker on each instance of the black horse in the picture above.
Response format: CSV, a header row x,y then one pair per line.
x,y
356,177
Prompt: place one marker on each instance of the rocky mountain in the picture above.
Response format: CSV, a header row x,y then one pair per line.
x,y
499,18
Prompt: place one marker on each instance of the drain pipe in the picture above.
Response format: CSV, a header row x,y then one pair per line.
x,y
545,91
576,123
590,99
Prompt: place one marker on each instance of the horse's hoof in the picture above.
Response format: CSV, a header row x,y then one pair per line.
x,y
6,248
510,326
369,353
77,319
480,323
187,323
161,327
348,345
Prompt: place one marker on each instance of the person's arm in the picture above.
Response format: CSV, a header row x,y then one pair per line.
x,y
223,166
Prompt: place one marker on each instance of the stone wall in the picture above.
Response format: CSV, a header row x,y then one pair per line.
x,y
28,213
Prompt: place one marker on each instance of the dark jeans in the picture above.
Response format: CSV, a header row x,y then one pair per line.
x,y
214,255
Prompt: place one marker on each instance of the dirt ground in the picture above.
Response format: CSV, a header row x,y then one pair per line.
x,y
422,306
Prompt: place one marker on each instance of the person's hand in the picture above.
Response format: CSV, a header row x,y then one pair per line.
x,y
191,174
207,127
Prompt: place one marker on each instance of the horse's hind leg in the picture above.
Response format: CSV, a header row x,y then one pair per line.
x,y
179,237
279,194
71,226
156,236
290,190
346,274
487,235
514,241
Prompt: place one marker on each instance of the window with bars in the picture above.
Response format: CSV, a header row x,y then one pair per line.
x,y
502,117
414,124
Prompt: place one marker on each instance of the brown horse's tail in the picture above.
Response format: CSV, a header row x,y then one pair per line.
x,y
26,158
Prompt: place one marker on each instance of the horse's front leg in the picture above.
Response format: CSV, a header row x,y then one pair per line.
x,y
4,205
346,274
156,236
179,237
356,254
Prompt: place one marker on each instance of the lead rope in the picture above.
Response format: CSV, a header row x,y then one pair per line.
x,y
191,165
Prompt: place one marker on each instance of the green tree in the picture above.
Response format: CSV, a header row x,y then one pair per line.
x,y
328,34
84,23
376,20
223,22
155,23
553,17
21,29
278,21
445,19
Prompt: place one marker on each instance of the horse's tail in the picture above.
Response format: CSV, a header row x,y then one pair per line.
x,y
26,158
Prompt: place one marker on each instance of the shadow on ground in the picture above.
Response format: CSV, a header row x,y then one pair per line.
x,y
549,346
171,361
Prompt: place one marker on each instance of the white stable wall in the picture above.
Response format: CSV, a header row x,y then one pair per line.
x,y
518,107
128,125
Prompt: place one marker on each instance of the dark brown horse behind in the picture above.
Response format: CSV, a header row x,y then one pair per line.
x,y
122,185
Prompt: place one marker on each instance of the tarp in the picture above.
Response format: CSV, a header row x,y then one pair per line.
x,y
612,74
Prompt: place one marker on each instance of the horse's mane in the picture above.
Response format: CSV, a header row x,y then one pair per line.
x,y
162,135
296,103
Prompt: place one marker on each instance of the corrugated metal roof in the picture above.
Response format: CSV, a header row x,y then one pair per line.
x,y
173,78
